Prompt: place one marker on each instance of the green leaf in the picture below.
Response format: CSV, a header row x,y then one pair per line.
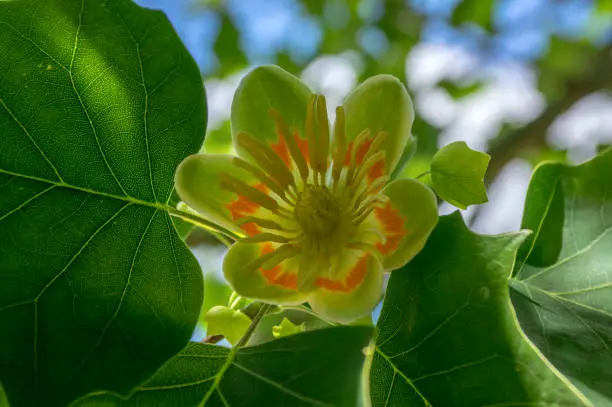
x,y
227,47
219,140
544,216
232,324
3,400
318,368
476,11
603,6
286,328
448,335
459,90
566,307
457,173
99,102
300,315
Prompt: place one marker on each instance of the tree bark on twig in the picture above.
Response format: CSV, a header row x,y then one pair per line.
x,y
532,137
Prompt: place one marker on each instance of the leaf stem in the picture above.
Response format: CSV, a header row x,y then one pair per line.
x,y
219,231
256,319
235,300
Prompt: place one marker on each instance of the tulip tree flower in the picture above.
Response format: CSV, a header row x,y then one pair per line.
x,y
320,219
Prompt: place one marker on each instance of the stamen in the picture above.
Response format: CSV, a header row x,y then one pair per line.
x,y
376,142
340,144
256,196
272,259
367,166
364,247
361,137
364,189
359,219
285,211
310,131
323,139
370,201
270,162
377,185
307,272
265,223
294,150
377,232
265,237
259,174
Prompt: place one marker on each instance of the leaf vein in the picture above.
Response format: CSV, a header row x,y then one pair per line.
x,y
280,387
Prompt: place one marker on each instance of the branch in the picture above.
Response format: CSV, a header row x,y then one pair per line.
x,y
532,137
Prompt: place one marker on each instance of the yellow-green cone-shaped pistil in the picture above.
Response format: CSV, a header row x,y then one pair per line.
x,y
320,219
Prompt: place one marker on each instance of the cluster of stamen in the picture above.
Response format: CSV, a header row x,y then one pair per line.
x,y
320,201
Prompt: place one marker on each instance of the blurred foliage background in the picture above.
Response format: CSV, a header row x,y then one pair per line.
x,y
524,80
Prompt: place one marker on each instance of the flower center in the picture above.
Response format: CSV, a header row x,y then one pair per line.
x,y
317,211
315,195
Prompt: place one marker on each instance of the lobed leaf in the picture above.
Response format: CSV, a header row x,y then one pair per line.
x,y
448,335
563,295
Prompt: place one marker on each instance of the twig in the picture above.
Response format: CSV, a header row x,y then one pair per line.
x,y
263,310
212,339
532,137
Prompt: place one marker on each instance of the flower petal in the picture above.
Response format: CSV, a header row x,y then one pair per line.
x,y
380,104
254,271
264,89
346,300
203,182
406,221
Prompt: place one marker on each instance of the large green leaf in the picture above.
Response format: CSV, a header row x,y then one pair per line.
x,y
3,400
99,102
566,307
448,335
319,368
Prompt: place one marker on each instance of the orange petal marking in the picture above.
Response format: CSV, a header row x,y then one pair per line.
x,y
282,150
363,149
242,207
377,171
355,277
275,275
303,146
393,228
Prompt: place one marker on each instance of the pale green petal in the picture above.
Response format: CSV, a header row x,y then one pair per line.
x,y
247,276
264,88
381,103
345,307
407,220
198,183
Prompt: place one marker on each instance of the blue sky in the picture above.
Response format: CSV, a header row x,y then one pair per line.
x,y
525,26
